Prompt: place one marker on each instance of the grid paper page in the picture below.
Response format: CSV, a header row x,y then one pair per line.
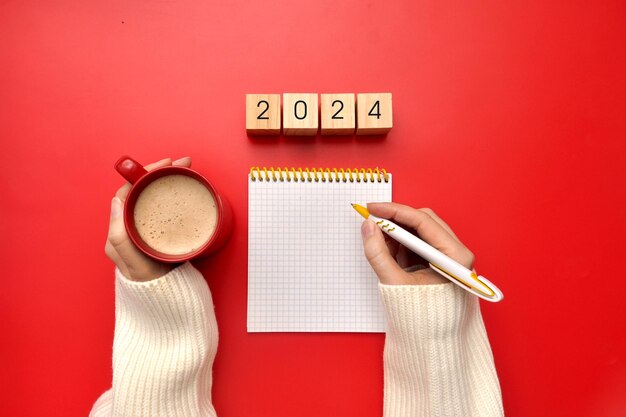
x,y
306,267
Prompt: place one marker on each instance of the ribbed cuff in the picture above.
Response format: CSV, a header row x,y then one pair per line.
x,y
428,310
170,293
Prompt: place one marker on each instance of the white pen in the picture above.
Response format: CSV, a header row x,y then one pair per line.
x,y
441,263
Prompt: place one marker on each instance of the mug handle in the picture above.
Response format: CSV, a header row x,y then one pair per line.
x,y
130,169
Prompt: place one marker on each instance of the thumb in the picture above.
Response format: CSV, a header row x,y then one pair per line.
x,y
377,254
131,260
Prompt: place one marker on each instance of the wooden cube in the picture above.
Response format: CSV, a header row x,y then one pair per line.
x,y
300,114
374,113
263,114
337,114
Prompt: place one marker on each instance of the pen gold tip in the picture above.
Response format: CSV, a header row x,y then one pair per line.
x,y
361,210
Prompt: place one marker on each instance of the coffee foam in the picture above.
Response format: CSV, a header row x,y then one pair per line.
x,y
175,214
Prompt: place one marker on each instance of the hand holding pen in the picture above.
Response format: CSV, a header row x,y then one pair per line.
x,y
438,248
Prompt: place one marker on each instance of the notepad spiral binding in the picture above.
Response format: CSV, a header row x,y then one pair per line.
x,y
272,174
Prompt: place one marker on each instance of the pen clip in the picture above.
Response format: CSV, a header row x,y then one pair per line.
x,y
495,296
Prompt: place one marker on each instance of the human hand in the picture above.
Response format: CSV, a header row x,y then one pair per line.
x,y
388,258
120,249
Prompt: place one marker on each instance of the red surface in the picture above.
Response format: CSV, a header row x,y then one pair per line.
x,y
509,122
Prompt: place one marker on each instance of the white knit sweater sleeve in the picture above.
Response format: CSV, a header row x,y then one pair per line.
x,y
437,357
163,350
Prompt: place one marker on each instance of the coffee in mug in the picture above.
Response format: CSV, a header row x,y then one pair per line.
x,y
175,215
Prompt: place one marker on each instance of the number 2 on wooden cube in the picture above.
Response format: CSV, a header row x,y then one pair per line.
x,y
263,114
337,112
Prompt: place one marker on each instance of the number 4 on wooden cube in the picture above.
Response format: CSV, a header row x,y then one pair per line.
x,y
263,114
337,114
374,114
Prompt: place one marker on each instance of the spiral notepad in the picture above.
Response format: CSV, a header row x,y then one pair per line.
x,y
306,267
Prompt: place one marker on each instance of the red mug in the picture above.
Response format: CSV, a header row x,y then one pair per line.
x,y
135,174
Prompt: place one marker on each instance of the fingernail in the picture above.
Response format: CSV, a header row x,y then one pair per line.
x,y
116,207
180,160
367,229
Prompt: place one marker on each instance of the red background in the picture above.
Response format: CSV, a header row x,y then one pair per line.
x,y
509,122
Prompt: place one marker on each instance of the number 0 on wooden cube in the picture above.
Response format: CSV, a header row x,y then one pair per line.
x,y
300,114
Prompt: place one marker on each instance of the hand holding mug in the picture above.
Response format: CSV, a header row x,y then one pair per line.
x,y
133,263
171,214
